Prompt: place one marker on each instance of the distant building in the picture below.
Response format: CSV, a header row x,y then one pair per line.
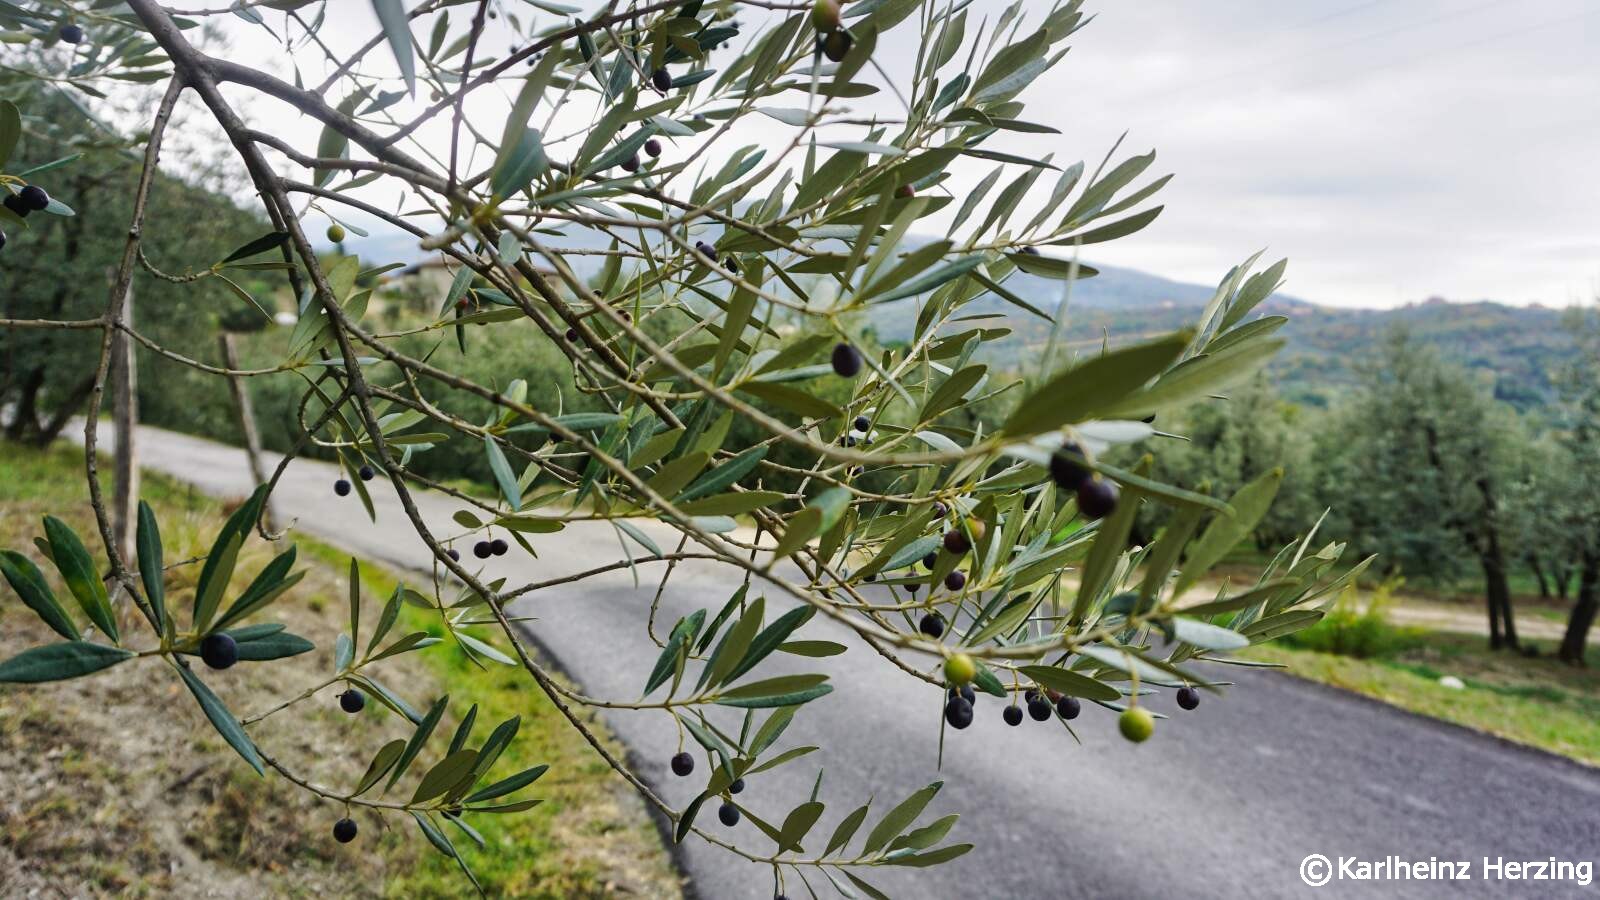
x,y
430,277
429,280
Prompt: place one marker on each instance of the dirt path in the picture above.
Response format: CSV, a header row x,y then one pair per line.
x,y
1542,622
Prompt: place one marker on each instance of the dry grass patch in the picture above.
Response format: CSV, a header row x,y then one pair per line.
x,y
116,785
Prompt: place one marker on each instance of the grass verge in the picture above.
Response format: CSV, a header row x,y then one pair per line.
x,y
1536,701
117,785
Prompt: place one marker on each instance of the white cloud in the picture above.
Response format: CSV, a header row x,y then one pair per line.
x,y
1392,150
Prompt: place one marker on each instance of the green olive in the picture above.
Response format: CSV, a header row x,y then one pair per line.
x,y
960,669
1136,724
825,15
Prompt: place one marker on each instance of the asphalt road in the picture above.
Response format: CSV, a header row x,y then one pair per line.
x,y
1225,801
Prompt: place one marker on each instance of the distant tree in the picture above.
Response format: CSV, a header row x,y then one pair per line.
x,y
1230,443
1416,463
1579,384
58,268
1543,512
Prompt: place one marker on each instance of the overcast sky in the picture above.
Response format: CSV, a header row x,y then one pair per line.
x,y
1392,149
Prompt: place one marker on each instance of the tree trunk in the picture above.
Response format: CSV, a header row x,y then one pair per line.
x,y
125,416
1575,642
27,425
1563,579
25,415
46,434
1482,537
1495,639
1502,627
1538,573
247,420
1495,583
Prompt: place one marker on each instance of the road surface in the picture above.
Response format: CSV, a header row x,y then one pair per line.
x,y
1225,801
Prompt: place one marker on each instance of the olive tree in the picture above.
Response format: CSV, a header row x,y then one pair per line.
x,y
1578,437
1434,454
57,269
1544,512
1234,442
992,559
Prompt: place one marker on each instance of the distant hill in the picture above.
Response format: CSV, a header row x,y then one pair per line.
x,y
1114,288
1518,347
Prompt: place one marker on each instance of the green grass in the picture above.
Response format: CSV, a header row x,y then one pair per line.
x,y
589,838
1535,701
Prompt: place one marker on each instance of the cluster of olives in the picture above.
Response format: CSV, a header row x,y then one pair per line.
x,y
958,705
1097,496
1136,723
1040,704
956,542
29,200
652,149
486,549
342,486
833,41
959,670
683,766
959,701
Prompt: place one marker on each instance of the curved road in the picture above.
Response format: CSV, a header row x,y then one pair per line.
x,y
1225,801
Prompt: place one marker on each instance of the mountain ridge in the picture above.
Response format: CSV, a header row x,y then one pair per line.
x,y
1517,348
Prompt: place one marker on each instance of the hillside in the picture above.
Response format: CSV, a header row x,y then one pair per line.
x,y
1518,347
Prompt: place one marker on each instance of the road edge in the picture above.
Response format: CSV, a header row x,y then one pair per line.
x,y
1577,766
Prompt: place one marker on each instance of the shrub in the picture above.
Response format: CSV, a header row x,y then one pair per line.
x,y
1362,632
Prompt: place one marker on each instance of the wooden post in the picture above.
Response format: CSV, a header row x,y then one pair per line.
x,y
125,416
247,419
